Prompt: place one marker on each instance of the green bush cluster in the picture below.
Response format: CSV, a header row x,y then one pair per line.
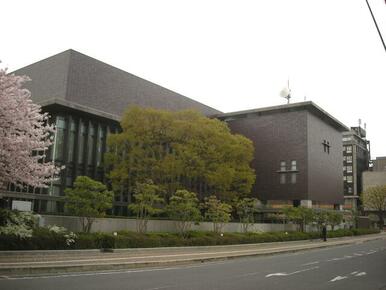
x,y
43,239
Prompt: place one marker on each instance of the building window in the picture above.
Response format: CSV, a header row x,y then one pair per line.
x,y
82,140
349,168
283,166
282,178
344,158
344,177
349,189
71,141
293,165
293,178
349,179
90,144
344,168
349,159
349,149
100,141
59,138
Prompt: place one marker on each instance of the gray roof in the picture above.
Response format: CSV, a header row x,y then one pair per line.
x,y
80,81
309,106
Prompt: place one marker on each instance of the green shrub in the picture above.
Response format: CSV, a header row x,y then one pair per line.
x,y
44,239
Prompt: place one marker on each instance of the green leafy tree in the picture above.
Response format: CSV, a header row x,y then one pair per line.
x,y
146,203
183,207
89,199
320,217
301,216
374,198
334,218
352,218
245,209
217,212
179,150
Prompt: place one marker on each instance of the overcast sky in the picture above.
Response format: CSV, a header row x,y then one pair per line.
x,y
231,55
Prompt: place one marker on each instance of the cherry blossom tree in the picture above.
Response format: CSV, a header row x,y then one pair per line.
x,y
24,136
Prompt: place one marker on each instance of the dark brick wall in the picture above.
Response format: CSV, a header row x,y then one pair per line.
x,y
294,135
325,169
277,137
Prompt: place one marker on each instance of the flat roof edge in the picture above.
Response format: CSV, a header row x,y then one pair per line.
x,y
78,107
309,105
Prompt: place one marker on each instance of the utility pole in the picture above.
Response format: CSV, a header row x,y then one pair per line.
x,y
376,25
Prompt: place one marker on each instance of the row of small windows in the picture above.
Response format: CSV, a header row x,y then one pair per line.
x,y
347,178
91,134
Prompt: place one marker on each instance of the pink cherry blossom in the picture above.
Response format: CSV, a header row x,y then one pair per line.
x,y
24,136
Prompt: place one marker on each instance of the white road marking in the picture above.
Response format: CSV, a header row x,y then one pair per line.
x,y
335,259
161,287
353,273
289,274
337,278
356,254
311,263
99,273
360,274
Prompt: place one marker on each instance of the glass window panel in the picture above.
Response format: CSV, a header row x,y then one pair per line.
x,y
293,165
90,145
293,178
58,149
282,178
71,141
82,139
282,166
100,140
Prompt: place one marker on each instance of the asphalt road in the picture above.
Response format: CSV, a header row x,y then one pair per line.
x,y
359,266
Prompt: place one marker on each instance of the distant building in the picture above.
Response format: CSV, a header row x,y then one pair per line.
x,y
356,158
86,99
379,164
376,175
298,154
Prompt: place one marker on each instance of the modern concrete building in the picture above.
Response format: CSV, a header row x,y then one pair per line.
x,y
298,147
356,158
86,99
298,154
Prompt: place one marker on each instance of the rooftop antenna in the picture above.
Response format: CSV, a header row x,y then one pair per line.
x,y
286,93
360,122
364,126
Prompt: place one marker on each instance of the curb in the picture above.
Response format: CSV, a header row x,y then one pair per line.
x,y
51,268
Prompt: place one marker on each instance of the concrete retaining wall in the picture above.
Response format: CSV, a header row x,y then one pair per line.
x,y
116,224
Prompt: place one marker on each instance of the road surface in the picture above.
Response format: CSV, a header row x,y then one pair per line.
x,y
358,266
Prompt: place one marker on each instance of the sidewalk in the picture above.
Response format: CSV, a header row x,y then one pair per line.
x,y
38,262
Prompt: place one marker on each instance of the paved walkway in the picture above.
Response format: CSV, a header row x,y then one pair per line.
x,y
30,262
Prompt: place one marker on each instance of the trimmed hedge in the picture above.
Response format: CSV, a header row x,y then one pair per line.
x,y
43,239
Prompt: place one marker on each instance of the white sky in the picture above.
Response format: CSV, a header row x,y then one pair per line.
x,y
231,55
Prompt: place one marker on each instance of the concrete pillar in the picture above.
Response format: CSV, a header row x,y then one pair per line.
x,y
306,203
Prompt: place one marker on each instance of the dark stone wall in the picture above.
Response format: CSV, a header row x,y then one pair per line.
x,y
276,137
325,169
